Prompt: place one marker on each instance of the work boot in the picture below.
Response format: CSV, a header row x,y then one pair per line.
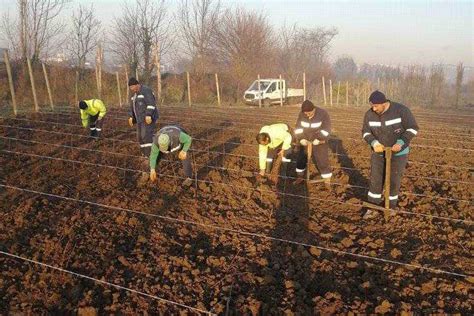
x,y
186,183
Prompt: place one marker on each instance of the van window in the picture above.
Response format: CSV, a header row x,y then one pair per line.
x,y
272,87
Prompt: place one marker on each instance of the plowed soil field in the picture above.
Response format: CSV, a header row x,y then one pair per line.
x,y
227,244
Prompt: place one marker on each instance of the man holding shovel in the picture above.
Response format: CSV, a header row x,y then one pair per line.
x,y
387,125
312,132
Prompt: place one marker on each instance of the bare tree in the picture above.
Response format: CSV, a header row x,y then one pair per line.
x,y
83,36
140,27
124,42
197,21
345,68
244,44
303,49
37,25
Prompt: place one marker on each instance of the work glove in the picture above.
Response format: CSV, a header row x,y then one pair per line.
x,y
396,148
130,121
153,175
148,120
304,142
316,142
378,147
182,155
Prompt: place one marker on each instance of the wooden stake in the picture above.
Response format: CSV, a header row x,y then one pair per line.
x,y
324,91
388,165
33,86
50,95
76,88
330,92
126,78
347,93
10,81
304,86
118,89
338,91
308,157
217,90
189,88
281,91
158,74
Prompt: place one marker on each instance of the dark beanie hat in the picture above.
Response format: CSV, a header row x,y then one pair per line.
x,y
132,81
307,106
82,105
377,97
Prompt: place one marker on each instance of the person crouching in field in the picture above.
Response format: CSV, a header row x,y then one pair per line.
x,y
273,141
167,141
92,115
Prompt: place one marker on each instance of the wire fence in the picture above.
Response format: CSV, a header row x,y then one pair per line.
x,y
240,170
251,123
241,232
243,115
216,126
251,147
312,198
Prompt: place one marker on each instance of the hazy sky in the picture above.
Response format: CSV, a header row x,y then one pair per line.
x,y
388,32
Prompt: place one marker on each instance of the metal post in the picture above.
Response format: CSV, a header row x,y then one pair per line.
x,y
10,81
338,91
259,92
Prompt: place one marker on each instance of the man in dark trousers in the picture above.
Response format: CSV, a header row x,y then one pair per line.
x,y
92,115
387,124
313,126
171,139
143,113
